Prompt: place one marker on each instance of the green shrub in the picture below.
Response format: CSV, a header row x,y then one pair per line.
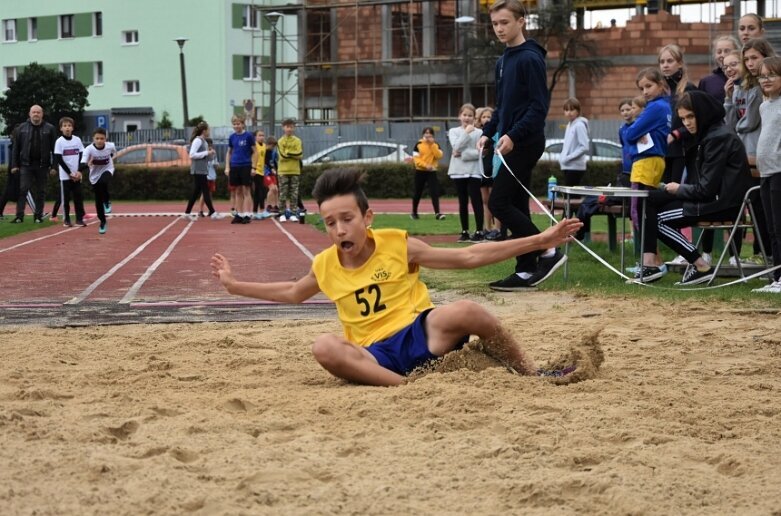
x,y
383,181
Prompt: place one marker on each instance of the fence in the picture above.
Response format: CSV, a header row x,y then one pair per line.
x,y
319,137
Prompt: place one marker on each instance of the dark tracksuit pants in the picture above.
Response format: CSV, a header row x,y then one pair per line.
x,y
72,190
468,189
509,202
101,195
771,202
200,187
32,179
421,178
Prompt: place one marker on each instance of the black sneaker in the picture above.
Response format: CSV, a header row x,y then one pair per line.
x,y
556,373
440,216
512,283
694,277
246,220
201,214
81,223
67,223
38,220
478,236
547,266
464,237
648,274
17,220
237,220
414,216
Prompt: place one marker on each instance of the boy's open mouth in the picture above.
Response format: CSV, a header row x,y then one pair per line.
x,y
346,246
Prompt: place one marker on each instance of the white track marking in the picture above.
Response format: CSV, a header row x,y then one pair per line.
x,y
81,297
294,240
128,297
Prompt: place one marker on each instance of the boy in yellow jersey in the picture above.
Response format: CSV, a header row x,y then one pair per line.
x,y
390,325
258,188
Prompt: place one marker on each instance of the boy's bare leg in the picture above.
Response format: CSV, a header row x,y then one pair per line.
x,y
350,362
247,199
445,325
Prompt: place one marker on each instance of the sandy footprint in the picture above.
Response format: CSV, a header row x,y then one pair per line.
x,y
124,431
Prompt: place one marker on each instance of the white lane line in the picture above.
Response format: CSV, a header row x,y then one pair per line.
x,y
81,297
128,297
293,239
22,244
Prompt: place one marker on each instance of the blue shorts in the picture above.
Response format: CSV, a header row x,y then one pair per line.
x,y
407,348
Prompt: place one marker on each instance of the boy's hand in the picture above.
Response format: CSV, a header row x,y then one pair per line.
x,y
221,269
559,234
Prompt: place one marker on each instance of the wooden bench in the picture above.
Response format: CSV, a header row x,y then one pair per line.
x,y
612,211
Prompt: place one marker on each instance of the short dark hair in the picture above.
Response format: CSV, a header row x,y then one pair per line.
x,y
625,101
684,102
66,120
271,140
572,104
288,121
340,181
514,6
99,130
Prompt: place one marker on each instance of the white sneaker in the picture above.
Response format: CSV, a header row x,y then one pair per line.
x,y
216,216
293,218
282,218
733,262
707,258
679,260
770,288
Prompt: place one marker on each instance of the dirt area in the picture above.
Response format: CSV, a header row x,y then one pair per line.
x,y
683,417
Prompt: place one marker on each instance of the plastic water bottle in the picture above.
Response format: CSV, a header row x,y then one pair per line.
x,y
552,181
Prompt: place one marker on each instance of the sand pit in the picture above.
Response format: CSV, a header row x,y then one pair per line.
x,y
684,416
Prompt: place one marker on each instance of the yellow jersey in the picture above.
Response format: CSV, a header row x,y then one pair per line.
x,y
379,298
260,165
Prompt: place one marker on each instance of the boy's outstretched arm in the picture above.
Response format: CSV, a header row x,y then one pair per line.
x,y
280,291
490,252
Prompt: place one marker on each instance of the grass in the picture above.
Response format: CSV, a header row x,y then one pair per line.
x,y
586,276
7,229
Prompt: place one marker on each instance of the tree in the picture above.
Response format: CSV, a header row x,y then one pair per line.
x,y
50,89
576,51
165,122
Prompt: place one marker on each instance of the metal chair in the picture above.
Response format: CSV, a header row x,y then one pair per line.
x,y
744,220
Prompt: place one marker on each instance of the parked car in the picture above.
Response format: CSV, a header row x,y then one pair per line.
x,y
601,150
154,155
360,152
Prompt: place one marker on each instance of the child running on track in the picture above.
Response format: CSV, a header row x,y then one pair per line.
x,y
390,325
98,156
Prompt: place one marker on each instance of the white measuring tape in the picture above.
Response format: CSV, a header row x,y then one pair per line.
x,y
602,261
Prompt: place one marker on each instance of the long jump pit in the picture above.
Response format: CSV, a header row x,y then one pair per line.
x,y
183,400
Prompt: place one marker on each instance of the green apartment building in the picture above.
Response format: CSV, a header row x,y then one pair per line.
x,y
127,56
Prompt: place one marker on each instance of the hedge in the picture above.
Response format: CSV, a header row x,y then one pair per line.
x,y
383,181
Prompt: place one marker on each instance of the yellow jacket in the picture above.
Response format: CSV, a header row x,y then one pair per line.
x,y
426,155
260,152
290,150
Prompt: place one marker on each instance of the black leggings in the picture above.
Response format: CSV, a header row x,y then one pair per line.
x,y
101,195
72,189
258,193
200,187
771,202
469,189
421,178
573,177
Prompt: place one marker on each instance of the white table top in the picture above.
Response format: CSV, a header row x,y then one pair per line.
x,y
607,191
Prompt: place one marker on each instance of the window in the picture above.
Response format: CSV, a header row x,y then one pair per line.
x,y
376,151
9,30
97,24
9,75
606,150
160,154
130,37
66,26
131,87
132,157
32,29
318,35
251,68
554,148
250,18
320,116
98,73
341,154
69,69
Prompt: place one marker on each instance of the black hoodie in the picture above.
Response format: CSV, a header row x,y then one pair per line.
x,y
722,166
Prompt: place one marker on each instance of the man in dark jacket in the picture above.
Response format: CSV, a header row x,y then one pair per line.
x,y
722,181
32,159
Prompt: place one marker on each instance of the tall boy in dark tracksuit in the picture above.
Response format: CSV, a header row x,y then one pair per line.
x,y
518,121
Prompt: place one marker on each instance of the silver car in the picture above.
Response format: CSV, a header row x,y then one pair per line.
x,y
601,150
360,153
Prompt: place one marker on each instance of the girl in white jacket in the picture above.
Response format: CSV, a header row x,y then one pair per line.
x,y
465,172
574,152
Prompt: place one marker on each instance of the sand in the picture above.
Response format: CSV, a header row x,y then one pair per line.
x,y
684,416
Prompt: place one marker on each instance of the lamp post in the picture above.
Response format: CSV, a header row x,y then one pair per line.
x,y
273,17
464,21
181,42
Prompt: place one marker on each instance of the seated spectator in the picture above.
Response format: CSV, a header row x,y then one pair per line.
x,y
723,179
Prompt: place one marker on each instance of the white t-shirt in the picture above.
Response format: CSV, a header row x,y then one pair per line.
x,y
70,150
101,160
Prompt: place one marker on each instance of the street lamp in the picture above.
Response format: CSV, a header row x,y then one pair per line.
x,y
273,17
463,21
181,42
